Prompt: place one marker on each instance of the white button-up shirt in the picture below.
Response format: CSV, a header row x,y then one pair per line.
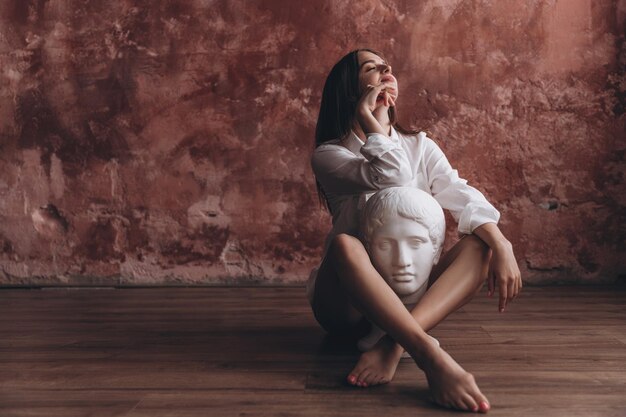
x,y
350,171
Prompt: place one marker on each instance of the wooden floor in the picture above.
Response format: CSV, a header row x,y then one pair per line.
x,y
258,352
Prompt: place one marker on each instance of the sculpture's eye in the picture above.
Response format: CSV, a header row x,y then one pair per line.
x,y
415,243
383,245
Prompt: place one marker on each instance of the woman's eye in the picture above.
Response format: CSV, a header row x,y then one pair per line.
x,y
371,68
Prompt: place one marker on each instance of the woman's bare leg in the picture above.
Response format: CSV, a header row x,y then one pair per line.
x,y
369,293
453,282
332,307
335,313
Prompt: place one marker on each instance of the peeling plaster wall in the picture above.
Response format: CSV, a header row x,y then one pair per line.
x,y
169,142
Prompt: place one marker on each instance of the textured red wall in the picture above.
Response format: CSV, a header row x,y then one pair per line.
x,y
168,142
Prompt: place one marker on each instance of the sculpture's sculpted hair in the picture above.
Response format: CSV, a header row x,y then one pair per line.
x,y
410,203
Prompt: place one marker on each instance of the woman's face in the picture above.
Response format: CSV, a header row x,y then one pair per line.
x,y
374,70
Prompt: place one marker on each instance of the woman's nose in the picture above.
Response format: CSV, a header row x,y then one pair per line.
x,y
386,69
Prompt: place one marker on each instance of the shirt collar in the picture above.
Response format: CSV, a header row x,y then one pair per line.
x,y
354,143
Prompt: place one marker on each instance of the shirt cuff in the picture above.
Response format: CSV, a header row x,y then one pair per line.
x,y
377,145
474,216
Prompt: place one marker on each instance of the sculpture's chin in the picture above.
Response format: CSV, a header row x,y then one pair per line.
x,y
402,292
411,292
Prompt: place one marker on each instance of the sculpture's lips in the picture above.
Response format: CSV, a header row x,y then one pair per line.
x,y
403,277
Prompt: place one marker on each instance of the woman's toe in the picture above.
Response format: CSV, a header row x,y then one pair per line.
x,y
484,406
351,378
371,379
470,403
480,399
363,378
460,404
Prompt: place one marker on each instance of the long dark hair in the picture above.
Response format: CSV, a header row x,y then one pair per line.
x,y
338,106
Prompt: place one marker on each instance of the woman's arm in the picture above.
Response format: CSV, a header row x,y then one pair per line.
x,y
369,123
339,171
468,206
368,108
503,266
474,214
386,162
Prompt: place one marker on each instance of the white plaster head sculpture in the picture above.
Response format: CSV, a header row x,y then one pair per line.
x,y
403,229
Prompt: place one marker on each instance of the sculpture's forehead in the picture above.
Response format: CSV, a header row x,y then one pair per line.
x,y
398,226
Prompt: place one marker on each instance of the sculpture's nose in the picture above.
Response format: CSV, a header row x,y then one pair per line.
x,y
403,256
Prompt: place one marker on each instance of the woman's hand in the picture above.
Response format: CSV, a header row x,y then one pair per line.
x,y
503,269
371,103
375,96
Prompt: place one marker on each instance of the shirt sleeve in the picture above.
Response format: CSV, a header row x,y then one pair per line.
x,y
468,206
338,170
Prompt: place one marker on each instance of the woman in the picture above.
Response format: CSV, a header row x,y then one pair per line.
x,y
360,148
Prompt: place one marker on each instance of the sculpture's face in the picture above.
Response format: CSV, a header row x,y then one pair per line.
x,y
402,252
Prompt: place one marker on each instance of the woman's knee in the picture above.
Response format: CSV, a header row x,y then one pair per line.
x,y
480,251
476,244
343,246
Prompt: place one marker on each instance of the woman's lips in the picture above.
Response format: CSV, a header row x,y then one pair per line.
x,y
388,77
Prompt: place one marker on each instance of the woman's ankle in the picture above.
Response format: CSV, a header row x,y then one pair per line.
x,y
423,350
389,345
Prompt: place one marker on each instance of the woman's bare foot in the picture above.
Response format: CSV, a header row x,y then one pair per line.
x,y
450,385
378,365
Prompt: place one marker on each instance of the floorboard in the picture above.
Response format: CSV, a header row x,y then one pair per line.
x,y
257,351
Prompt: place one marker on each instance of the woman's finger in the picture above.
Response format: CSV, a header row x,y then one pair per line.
x,y
512,290
503,294
490,282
